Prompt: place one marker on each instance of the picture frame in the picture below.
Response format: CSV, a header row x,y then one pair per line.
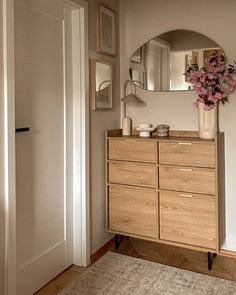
x,y
195,57
208,53
101,84
106,30
188,63
137,57
138,77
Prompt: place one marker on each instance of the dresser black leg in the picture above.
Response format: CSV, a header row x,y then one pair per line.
x,y
117,241
210,257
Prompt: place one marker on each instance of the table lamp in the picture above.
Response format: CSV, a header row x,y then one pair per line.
x,y
130,98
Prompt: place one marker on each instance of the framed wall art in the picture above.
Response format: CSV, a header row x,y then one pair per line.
x,y
101,84
137,57
188,63
106,30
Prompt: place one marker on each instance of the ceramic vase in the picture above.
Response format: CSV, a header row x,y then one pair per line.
x,y
207,122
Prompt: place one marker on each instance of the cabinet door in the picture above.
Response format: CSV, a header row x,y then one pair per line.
x,y
132,210
186,179
132,150
139,174
187,153
188,219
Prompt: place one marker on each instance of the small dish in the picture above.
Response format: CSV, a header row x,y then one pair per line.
x,y
145,132
144,125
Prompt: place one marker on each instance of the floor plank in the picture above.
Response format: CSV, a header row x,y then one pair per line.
x,y
61,281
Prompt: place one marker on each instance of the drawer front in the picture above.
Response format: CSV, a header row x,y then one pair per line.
x,y
196,180
132,150
187,153
132,210
133,173
188,219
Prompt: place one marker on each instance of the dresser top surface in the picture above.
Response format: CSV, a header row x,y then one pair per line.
x,y
175,135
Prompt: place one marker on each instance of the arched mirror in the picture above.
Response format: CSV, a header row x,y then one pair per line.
x,y
160,64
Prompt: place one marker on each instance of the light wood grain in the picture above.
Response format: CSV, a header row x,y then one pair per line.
x,y
184,133
188,218
228,253
186,164
138,174
196,180
132,210
133,150
102,251
175,133
61,281
114,133
220,178
187,153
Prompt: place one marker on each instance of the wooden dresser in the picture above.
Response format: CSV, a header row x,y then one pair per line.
x,y
165,189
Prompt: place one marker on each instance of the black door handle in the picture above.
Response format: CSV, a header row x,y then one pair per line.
x,y
25,129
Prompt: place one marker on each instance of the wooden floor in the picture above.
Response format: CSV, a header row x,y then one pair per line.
x,y
60,282
223,267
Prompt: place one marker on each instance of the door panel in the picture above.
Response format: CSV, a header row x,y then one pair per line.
x,y
40,154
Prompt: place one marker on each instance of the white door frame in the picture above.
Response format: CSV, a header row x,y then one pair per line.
x,y
81,221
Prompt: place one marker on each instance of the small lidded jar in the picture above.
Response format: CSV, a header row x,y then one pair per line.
x,y
163,130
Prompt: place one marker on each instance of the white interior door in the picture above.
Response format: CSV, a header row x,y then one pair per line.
x,y
43,189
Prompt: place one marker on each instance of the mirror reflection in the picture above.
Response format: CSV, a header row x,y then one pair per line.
x,y
160,64
103,85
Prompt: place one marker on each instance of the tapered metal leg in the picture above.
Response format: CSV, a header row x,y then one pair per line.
x,y
210,257
117,242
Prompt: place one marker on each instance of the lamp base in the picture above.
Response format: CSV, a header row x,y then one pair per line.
x,y
126,126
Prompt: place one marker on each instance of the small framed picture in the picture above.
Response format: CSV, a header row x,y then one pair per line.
x,y
188,63
137,57
195,57
101,84
106,30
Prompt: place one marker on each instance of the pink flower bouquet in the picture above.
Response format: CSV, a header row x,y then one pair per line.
x,y
212,83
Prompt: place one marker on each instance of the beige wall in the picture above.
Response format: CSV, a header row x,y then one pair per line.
x,y
142,20
2,221
100,121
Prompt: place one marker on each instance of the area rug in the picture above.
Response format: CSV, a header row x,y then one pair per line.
x,y
116,274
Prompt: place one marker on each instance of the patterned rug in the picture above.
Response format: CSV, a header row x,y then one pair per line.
x,y
116,274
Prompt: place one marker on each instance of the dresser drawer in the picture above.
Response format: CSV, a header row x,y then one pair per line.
x,y
196,180
139,174
188,219
132,210
132,150
187,153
